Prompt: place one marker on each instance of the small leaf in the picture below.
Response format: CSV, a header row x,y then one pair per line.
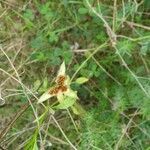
x,y
36,84
78,109
83,10
45,83
81,80
75,111
66,103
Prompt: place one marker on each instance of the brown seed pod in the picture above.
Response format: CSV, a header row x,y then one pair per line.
x,y
60,80
60,85
54,90
63,88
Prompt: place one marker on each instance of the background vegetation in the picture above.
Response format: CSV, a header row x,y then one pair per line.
x,y
107,42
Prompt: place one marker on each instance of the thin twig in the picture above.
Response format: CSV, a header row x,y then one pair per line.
x,y
134,76
125,131
11,123
113,78
24,91
114,14
109,31
63,133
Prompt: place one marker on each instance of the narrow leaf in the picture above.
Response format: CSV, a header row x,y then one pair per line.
x,y
81,80
45,96
62,69
78,109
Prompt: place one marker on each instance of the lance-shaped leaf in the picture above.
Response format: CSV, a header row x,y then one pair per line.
x,y
81,80
45,96
78,109
62,70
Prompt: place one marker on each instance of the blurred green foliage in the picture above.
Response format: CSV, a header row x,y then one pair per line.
x,y
51,29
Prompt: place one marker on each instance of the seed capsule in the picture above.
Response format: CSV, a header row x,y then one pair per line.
x,y
60,80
